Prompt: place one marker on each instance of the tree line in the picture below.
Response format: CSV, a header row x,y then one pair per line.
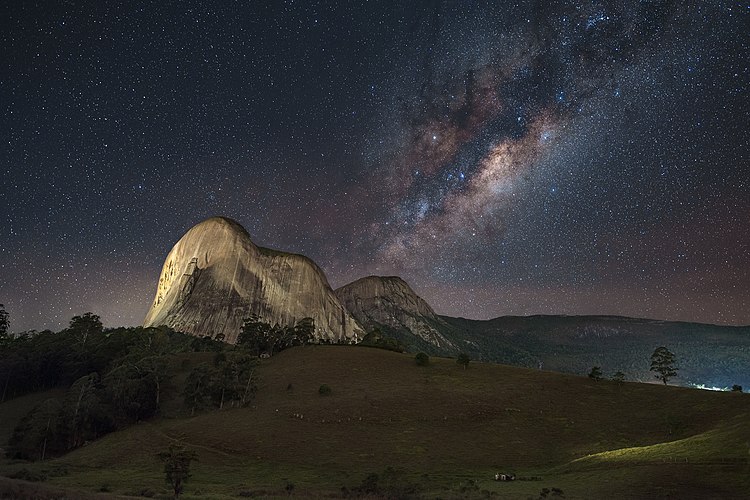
x,y
116,377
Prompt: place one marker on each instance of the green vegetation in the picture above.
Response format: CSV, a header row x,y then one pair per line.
x,y
177,467
662,362
595,373
422,359
463,359
229,379
324,390
4,324
258,337
736,388
394,430
376,339
111,380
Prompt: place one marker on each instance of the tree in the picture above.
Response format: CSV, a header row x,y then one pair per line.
x,y
38,433
662,362
4,323
618,377
463,359
177,467
376,339
82,413
198,387
304,331
736,388
85,325
255,335
134,386
595,373
229,380
422,359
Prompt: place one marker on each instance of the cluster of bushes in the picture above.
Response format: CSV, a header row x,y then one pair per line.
x,y
596,375
228,380
376,339
391,483
258,337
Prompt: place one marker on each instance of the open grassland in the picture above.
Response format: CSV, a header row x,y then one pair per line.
x,y
442,428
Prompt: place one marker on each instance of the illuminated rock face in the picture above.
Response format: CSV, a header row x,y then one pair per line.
x,y
215,277
390,301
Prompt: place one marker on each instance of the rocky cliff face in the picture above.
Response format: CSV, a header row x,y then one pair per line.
x,y
390,301
215,277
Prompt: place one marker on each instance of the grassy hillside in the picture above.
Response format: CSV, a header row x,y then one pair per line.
x,y
441,428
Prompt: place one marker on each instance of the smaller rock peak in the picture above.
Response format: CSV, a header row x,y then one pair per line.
x,y
393,288
392,280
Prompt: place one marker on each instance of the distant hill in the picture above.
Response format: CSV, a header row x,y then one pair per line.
x,y
707,355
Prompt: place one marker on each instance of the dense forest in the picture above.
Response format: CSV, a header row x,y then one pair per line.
x,y
115,377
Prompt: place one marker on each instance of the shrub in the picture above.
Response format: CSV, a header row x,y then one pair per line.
x,y
595,373
736,388
27,475
422,359
324,390
463,359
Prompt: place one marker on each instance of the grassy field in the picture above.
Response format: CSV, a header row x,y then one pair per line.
x,y
442,429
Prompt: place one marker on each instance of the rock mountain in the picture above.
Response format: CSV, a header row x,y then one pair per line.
x,y
389,303
215,277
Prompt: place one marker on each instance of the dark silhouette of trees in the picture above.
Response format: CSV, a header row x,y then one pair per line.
x,y
114,378
198,387
177,467
663,363
39,434
595,373
4,323
463,359
376,339
84,415
229,380
259,337
83,326
422,359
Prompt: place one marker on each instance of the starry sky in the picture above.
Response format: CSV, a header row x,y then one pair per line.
x,y
552,157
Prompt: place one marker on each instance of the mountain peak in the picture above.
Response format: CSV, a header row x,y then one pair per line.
x,y
215,276
389,302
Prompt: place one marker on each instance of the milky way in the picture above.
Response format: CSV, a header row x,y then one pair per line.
x,y
582,157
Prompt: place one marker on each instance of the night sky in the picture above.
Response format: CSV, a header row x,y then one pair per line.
x,y
582,157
